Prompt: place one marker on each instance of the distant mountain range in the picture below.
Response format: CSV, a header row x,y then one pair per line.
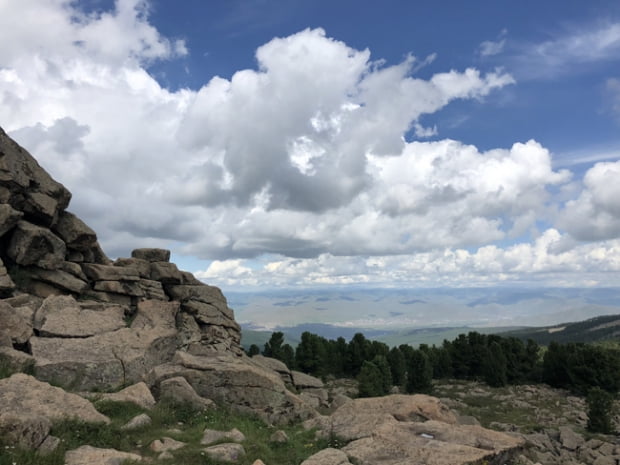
x,y
601,328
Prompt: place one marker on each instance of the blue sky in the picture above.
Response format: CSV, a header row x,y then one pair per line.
x,y
275,144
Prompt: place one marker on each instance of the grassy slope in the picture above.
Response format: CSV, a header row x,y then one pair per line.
x,y
179,422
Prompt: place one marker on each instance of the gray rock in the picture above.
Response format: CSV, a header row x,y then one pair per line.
x,y
153,289
34,245
137,422
227,452
274,365
236,382
63,316
166,444
109,297
155,314
28,407
13,324
204,293
128,288
27,187
7,286
279,437
8,218
138,393
110,273
74,232
328,456
210,436
103,361
16,360
88,455
25,430
303,381
179,390
151,255
49,445
219,315
142,266
570,439
166,273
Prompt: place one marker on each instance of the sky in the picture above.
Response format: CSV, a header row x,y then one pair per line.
x,y
278,144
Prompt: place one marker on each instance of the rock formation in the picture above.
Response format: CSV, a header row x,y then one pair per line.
x,y
74,318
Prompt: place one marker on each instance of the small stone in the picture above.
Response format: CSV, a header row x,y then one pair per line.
x,y
279,437
88,455
166,444
49,445
137,422
210,436
227,452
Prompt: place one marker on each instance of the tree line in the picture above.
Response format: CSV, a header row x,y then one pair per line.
x,y
494,359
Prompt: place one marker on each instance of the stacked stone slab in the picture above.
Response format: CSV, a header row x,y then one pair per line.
x,y
47,251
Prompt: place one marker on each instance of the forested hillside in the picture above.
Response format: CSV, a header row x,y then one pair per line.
x,y
601,328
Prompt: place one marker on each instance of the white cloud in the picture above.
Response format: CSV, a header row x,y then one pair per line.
x,y
568,52
490,48
595,214
303,158
525,263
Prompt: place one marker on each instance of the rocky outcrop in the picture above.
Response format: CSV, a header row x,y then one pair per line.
x,y
48,251
416,429
28,407
237,382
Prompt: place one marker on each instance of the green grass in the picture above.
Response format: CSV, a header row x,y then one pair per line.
x,y
180,422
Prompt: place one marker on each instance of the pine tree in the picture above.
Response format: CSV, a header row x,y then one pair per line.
x,y
494,366
419,373
600,408
369,379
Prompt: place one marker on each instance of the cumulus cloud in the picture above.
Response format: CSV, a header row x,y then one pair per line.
x,y
307,158
595,214
544,260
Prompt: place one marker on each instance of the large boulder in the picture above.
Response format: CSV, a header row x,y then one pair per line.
x,y
28,407
34,245
105,360
9,217
74,232
12,323
237,382
27,187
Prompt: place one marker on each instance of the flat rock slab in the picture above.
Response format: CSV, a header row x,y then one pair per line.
x,y
88,455
103,361
28,407
359,418
63,316
238,382
403,443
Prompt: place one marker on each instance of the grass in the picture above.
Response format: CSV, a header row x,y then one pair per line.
x,y
180,422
